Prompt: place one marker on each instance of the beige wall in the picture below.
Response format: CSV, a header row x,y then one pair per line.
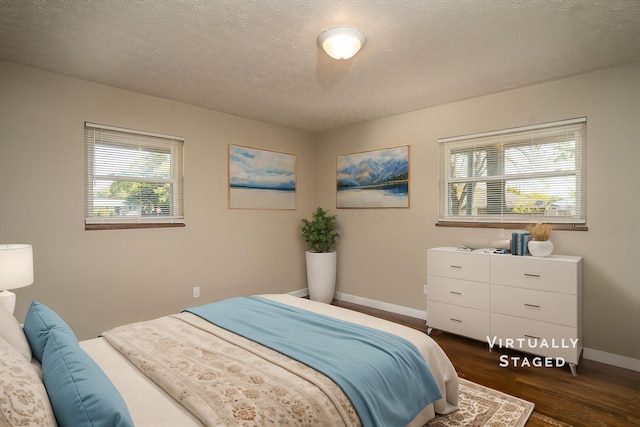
x,y
382,253
99,279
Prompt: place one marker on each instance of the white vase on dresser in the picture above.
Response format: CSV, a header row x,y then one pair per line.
x,y
533,304
540,247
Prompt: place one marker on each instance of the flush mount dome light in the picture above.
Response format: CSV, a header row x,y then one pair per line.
x,y
341,42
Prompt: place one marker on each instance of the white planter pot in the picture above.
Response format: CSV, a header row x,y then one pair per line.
x,y
321,275
537,248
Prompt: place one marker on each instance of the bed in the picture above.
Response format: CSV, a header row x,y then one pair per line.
x,y
183,370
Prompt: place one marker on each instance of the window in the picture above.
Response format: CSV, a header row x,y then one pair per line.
x,y
522,175
133,179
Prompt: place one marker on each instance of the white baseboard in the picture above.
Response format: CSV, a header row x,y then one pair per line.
x,y
611,359
587,353
380,305
300,293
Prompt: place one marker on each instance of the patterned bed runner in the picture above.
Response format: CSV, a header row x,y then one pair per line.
x,y
225,379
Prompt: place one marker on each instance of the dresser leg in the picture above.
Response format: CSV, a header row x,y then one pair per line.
x,y
429,330
573,368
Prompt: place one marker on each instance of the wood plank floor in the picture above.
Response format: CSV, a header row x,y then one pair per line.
x,y
600,395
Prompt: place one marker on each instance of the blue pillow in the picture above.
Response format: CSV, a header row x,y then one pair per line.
x,y
80,392
39,321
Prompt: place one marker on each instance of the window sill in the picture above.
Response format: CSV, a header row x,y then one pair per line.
x,y
511,226
129,226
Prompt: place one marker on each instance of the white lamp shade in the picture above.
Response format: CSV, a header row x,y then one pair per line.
x,y
16,266
341,42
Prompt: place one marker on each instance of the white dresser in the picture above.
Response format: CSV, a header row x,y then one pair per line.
x,y
526,303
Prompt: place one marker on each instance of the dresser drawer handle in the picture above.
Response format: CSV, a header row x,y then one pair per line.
x,y
531,305
531,336
531,275
455,320
455,293
456,266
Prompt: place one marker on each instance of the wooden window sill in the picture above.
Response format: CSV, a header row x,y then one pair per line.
x,y
129,226
511,226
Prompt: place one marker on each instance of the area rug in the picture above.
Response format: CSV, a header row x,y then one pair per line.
x,y
484,407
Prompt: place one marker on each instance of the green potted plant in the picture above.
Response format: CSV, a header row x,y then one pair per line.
x,y
540,245
320,233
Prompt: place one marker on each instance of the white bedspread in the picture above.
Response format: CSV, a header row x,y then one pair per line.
x,y
150,405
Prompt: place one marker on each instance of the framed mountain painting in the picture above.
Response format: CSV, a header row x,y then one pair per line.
x,y
373,179
261,179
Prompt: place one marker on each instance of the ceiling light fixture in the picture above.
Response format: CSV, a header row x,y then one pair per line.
x,y
341,42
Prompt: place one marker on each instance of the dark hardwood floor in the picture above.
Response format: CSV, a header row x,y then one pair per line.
x,y
600,395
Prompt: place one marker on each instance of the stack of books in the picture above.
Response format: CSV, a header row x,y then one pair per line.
x,y
519,240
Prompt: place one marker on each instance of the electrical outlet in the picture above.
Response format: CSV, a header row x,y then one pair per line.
x,y
424,288
196,292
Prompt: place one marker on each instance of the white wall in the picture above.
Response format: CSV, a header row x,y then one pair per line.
x,y
99,279
382,252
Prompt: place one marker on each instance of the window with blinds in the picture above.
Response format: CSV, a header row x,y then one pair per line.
x,y
133,179
521,175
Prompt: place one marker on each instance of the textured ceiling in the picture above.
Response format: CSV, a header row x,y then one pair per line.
x,y
259,59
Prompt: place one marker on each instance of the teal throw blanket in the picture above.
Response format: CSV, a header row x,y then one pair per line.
x,y
384,376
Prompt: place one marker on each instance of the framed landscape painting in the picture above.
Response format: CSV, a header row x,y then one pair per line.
x,y
373,179
261,179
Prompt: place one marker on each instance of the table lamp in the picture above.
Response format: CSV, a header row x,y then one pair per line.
x,y
16,271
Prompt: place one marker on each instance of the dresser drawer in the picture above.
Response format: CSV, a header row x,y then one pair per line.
x,y
546,274
535,337
537,305
458,292
464,321
459,265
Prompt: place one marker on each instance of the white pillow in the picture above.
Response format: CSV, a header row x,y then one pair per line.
x,y
12,332
23,398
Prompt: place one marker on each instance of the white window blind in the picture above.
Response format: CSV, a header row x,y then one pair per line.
x,y
132,177
529,174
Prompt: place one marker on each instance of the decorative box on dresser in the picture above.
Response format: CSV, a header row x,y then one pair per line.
x,y
531,304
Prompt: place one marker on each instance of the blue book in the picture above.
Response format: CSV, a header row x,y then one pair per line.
x,y
519,240
524,240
